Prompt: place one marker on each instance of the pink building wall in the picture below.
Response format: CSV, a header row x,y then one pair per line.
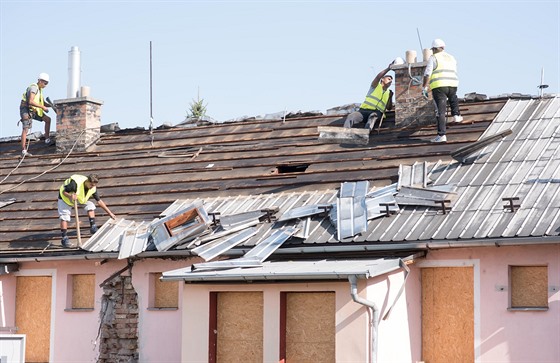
x,y
181,335
73,334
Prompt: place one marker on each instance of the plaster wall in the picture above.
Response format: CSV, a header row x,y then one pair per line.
x,y
351,320
74,333
503,335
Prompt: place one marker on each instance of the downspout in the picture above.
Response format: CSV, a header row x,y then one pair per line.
x,y
374,313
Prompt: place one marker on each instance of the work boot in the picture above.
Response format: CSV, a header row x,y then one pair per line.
x,y
66,242
93,228
439,139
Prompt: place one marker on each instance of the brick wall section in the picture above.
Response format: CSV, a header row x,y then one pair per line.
x,y
118,340
411,106
77,119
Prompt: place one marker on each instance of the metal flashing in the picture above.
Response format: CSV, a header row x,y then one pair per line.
x,y
216,247
351,209
290,270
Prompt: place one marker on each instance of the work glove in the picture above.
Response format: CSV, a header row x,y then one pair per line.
x,y
425,92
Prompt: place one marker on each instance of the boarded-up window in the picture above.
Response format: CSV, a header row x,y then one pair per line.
x,y
83,291
236,327
165,294
308,327
528,286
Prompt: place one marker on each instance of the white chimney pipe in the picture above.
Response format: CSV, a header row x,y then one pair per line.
x,y
74,72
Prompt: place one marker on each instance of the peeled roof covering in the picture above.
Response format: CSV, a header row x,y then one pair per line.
x,y
142,173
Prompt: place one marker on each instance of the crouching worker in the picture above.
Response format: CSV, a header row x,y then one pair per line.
x,y
378,99
79,188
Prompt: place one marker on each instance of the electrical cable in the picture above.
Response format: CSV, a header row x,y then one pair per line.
x,y
50,169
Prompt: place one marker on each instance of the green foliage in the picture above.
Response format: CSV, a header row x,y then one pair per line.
x,y
198,108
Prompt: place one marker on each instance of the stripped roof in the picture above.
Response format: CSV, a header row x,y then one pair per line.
x,y
279,163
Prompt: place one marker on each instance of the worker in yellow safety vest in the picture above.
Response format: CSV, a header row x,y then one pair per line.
x,y
441,77
378,100
79,188
32,107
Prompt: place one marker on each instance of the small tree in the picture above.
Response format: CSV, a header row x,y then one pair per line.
x,y
198,108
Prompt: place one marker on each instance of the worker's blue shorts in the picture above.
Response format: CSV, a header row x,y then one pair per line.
x,y
65,211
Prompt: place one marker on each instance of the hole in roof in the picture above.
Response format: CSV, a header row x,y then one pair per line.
x,y
292,168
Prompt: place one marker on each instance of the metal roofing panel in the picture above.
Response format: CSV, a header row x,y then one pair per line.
x,y
351,209
264,249
108,237
241,218
134,240
304,211
216,247
292,270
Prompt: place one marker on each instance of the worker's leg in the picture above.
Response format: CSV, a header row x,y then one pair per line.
x,y
453,101
352,119
440,101
26,123
373,119
47,120
90,208
64,214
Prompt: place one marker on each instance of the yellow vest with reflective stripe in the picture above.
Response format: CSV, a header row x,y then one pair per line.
x,y
445,72
80,192
38,99
377,99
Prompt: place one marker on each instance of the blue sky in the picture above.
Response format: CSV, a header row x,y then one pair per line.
x,y
258,57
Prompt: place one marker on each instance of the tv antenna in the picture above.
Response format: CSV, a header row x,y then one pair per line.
x,y
542,86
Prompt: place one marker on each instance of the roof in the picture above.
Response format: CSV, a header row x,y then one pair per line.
x,y
258,164
292,270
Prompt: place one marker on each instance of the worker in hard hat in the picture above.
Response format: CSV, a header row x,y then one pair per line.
x,y
79,189
378,100
32,107
441,77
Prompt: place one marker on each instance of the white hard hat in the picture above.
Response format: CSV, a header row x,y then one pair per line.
x,y
438,43
44,77
398,61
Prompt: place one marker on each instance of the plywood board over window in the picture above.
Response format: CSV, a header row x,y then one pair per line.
x,y
83,291
164,295
308,327
528,287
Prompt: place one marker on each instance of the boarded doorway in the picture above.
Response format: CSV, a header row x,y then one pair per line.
x,y
236,327
448,314
33,315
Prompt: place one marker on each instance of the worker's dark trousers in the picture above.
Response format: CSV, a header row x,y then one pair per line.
x,y
441,96
362,114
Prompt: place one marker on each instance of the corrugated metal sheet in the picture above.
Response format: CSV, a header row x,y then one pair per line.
x,y
291,270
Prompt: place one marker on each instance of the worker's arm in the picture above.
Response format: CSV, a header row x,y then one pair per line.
x,y
390,102
102,204
380,75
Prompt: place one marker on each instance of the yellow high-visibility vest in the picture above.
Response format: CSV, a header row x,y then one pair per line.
x,y
83,197
377,99
445,72
38,99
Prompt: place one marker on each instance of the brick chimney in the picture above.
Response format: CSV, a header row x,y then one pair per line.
x,y
78,120
411,106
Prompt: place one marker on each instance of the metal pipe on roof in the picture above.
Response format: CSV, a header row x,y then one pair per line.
x,y
374,313
74,72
